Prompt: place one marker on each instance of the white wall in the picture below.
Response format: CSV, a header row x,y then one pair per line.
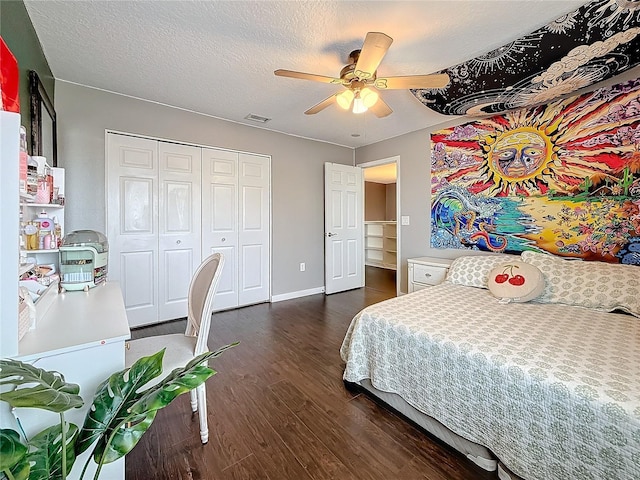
x,y
83,115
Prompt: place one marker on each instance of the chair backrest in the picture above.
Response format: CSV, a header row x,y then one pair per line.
x,y
202,289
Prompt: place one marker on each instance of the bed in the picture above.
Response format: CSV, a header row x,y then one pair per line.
x,y
542,389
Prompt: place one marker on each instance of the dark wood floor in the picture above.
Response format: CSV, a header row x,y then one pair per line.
x,y
278,409
382,279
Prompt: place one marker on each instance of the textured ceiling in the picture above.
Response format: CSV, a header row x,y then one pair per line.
x,y
218,57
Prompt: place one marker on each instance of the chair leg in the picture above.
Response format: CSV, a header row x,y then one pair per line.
x,y
194,401
201,393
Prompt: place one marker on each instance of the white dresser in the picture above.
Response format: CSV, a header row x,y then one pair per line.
x,y
426,271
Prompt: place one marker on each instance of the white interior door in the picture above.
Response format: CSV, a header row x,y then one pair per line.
x,y
179,226
343,227
132,229
254,228
220,219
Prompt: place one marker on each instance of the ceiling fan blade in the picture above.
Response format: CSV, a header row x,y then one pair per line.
x,y
322,105
307,76
381,109
438,80
375,47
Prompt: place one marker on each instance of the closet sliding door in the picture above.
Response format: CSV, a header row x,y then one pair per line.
x,y
253,228
236,222
179,252
153,224
220,219
132,226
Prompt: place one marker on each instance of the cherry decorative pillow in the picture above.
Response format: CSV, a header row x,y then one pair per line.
x,y
515,282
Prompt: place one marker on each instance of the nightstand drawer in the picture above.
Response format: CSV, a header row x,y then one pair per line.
x,y
428,274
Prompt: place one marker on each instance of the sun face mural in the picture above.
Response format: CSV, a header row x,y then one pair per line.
x,y
562,177
519,155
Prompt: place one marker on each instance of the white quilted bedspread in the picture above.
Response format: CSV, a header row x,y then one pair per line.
x,y
552,390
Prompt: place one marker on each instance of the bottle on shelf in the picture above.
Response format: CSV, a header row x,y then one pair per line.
x,y
31,233
23,160
43,194
46,242
57,232
48,173
45,227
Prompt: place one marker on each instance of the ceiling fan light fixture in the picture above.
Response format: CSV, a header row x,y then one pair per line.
x,y
358,105
369,97
344,99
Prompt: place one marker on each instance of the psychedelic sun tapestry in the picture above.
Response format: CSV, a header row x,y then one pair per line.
x,y
562,178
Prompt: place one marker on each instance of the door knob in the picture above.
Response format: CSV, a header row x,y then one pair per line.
x,y
330,234
178,242
223,239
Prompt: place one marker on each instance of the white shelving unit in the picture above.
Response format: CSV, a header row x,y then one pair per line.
x,y
29,212
389,245
380,244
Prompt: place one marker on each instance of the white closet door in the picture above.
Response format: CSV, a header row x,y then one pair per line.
x,y
132,210
220,219
179,226
254,228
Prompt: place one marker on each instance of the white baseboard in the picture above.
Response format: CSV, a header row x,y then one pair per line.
x,y
298,294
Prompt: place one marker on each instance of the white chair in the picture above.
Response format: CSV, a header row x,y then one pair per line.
x,y
182,348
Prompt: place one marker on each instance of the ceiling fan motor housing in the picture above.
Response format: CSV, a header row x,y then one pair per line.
x,y
347,73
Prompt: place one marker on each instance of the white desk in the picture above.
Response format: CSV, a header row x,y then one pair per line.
x,y
82,335
76,321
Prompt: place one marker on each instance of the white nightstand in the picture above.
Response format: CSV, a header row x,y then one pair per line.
x,y
426,271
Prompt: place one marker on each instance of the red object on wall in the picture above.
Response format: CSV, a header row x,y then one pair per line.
x,y
9,80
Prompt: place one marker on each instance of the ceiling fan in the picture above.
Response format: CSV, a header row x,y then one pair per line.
x,y
360,75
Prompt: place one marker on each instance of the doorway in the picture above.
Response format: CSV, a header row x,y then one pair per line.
x,y
381,232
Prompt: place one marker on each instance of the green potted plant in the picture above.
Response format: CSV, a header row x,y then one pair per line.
x,y
120,414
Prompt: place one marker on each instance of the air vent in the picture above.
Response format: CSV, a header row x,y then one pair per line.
x,y
257,118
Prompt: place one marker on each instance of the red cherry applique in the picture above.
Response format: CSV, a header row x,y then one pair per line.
x,y
517,280
501,278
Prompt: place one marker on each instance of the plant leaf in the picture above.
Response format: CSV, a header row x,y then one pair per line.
x,y
20,470
12,451
115,395
37,388
124,439
143,411
45,452
123,413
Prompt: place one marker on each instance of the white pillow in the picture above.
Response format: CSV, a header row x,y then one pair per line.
x,y
516,282
473,270
597,285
